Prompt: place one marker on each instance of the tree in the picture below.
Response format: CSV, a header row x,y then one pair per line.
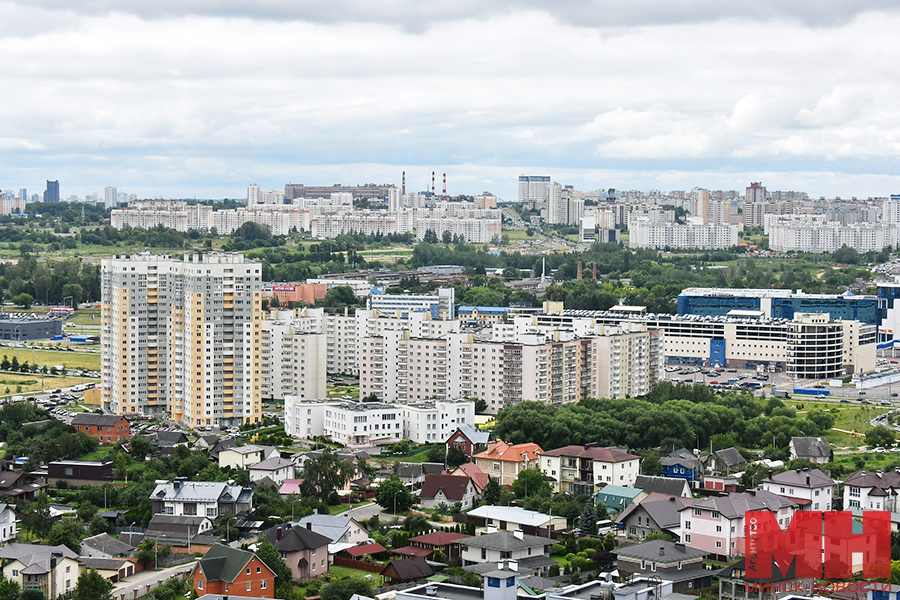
x,y
269,555
36,515
880,436
24,300
324,475
92,586
68,532
344,589
339,297
429,238
392,493
650,464
447,237
531,482
122,465
9,589
226,524
32,594
492,491
456,457
480,406
436,453
147,552
141,447
587,522
4,364
98,525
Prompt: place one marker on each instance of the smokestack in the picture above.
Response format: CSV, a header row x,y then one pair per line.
x,y
404,184
444,195
432,183
579,272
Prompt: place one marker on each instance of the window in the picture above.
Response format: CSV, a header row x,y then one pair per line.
x,y
698,512
68,569
199,584
687,524
687,539
248,572
718,544
262,584
715,514
259,569
248,584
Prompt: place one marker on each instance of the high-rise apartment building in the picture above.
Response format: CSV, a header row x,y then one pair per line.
x,y
182,337
534,190
756,192
110,197
700,204
51,194
23,196
253,194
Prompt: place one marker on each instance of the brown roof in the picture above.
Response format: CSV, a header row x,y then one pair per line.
x,y
370,549
479,478
609,455
406,569
413,551
506,453
454,487
438,538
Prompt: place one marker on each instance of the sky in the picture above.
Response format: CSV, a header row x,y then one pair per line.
x,y
191,98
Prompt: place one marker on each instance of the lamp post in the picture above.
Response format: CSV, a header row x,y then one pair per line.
x,y
395,500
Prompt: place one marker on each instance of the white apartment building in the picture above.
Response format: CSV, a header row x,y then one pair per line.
x,y
182,337
474,231
534,190
293,357
811,233
644,234
441,305
811,489
368,423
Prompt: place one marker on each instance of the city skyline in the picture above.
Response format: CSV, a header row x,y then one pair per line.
x,y
183,101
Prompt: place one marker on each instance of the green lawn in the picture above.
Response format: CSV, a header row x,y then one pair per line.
x,y
71,360
32,382
522,234
850,417
346,572
101,453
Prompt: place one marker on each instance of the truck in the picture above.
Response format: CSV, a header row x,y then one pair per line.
x,y
781,394
812,391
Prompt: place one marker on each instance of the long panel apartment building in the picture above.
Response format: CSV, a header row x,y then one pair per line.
x,y
181,337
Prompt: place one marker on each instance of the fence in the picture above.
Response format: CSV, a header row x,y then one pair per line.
x,y
352,563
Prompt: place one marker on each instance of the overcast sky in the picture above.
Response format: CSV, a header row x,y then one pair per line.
x,y
181,98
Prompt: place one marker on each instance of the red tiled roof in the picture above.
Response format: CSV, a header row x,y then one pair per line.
x,y
478,477
370,549
504,452
438,538
609,455
412,551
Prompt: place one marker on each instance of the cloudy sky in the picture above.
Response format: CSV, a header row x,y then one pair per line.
x,y
181,98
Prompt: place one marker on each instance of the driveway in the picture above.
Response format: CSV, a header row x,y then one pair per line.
x,y
145,578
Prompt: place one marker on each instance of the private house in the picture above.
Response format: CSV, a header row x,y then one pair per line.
x,y
511,518
872,490
468,440
51,569
112,569
242,457
671,561
617,498
584,469
221,445
413,474
670,486
401,570
303,550
342,531
726,461
716,524
810,489
166,441
813,449
657,513
107,429
19,485
735,585
682,464
479,478
226,570
531,553
182,532
8,523
276,469
105,546
504,461
449,543
80,472
206,442
200,498
447,489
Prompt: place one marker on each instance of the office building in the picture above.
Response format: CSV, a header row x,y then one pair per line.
x,y
440,305
182,337
110,197
51,194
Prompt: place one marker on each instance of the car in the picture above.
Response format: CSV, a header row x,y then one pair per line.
x,y
894,395
864,402
893,362
884,403
862,393
713,383
878,449
845,401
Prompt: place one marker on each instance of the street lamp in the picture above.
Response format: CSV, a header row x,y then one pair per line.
x,y
395,500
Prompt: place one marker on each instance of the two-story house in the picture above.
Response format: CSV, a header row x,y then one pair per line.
x,y
276,468
342,531
810,489
584,469
672,561
242,457
231,571
872,490
200,498
8,523
682,464
716,524
107,429
504,462
657,513
813,449
482,553
447,489
511,518
51,569
303,550
468,440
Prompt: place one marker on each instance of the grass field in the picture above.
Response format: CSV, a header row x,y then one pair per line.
x,y
71,360
521,234
346,572
851,417
32,382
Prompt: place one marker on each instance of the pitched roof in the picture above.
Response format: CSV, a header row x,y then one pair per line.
x,y
506,453
251,448
35,558
608,454
290,486
659,551
511,514
479,478
662,508
683,457
102,564
169,438
506,541
370,549
9,479
884,481
409,568
271,464
95,419
295,539
454,487
176,523
224,563
670,486
412,551
201,491
476,436
107,544
439,538
808,478
810,447
730,457
330,526
733,506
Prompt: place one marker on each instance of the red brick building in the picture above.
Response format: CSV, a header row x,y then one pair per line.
x,y
227,570
108,429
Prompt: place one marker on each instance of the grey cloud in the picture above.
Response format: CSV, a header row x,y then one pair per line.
x,y
418,15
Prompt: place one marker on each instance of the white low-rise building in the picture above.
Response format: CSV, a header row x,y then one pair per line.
x,y
810,489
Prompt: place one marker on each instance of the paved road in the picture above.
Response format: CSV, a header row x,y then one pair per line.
x,y
144,578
